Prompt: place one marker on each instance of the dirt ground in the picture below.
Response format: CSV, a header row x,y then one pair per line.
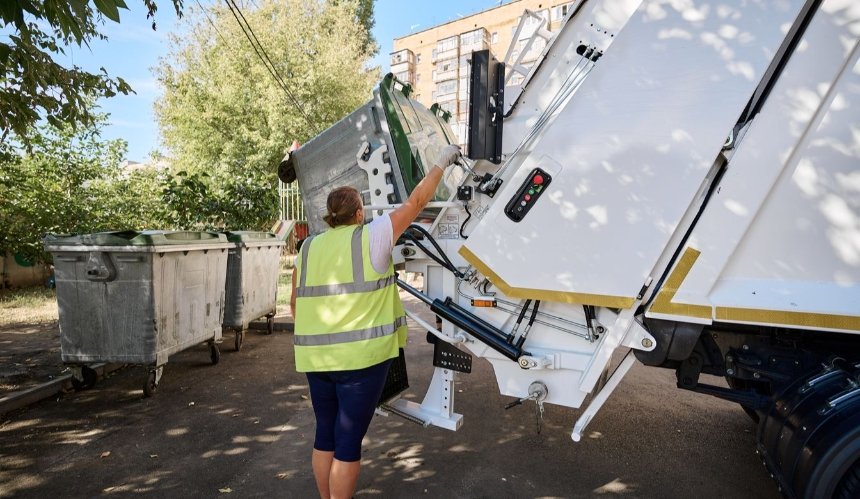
x,y
29,355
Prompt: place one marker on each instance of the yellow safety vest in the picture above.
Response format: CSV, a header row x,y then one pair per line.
x,y
348,315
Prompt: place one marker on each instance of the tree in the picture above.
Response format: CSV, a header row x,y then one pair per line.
x,y
58,186
224,114
364,15
33,85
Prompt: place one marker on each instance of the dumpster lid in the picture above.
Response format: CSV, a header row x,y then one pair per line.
x,y
244,236
135,238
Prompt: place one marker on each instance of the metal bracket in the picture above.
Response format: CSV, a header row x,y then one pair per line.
x,y
376,164
448,356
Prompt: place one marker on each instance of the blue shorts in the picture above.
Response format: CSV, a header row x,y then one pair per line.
x,y
344,403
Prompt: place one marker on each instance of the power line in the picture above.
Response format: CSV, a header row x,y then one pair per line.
x,y
212,23
265,59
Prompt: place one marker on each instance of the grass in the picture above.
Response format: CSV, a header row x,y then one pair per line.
x,y
34,305
285,288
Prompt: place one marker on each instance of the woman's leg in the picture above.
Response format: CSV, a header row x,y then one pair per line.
x,y
357,394
324,399
321,461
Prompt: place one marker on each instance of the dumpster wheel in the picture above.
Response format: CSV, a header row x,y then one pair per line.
x,y
88,379
270,324
240,338
214,353
151,383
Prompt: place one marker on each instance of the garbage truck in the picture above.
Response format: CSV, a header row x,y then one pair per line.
x,y
673,183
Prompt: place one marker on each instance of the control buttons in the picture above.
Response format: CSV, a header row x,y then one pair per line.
x,y
527,195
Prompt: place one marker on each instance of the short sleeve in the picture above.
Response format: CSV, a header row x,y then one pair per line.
x,y
381,236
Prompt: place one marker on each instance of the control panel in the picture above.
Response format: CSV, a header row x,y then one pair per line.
x,y
528,194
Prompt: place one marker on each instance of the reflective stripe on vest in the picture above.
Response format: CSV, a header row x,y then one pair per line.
x,y
347,336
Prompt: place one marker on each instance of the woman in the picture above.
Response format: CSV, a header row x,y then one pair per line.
x,y
349,323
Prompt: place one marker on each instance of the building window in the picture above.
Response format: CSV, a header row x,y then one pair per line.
x,y
417,77
418,59
446,87
495,37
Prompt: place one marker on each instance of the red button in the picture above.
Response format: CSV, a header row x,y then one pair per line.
x,y
538,180
527,197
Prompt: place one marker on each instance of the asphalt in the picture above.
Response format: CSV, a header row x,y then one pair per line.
x,y
244,428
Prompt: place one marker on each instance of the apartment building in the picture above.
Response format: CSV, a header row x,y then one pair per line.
x,y
436,61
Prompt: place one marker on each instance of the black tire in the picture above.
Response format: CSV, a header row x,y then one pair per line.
x,y
90,377
270,325
812,448
214,353
849,487
240,338
150,386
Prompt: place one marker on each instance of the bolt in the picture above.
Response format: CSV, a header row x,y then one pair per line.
x,y
647,343
729,358
730,372
756,375
746,347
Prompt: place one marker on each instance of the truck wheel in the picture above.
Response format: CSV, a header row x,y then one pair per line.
x,y
810,438
849,488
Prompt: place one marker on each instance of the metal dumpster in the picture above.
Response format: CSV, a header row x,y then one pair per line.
x,y
137,297
253,267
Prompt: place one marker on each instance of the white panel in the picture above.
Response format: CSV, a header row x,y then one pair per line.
x,y
783,231
632,147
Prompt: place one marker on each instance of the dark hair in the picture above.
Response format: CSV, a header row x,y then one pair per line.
x,y
341,206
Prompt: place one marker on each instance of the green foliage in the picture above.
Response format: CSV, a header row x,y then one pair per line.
x,y
58,186
364,15
32,84
224,115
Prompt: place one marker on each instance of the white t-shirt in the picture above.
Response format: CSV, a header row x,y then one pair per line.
x,y
381,234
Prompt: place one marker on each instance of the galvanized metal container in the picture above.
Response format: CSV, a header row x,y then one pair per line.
x,y
138,297
410,133
253,267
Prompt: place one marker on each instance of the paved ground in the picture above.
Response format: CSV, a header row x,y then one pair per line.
x,y
244,428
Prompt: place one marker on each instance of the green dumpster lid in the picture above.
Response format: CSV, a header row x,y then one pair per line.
x,y
244,236
135,238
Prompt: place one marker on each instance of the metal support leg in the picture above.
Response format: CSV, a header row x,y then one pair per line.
x,y
437,408
601,397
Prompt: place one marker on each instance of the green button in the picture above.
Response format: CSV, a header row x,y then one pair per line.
x,y
531,192
538,188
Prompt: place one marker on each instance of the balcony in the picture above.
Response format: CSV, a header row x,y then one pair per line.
x,y
448,48
471,41
402,67
402,56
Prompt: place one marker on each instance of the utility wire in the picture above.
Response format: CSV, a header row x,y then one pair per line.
x,y
212,23
266,60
